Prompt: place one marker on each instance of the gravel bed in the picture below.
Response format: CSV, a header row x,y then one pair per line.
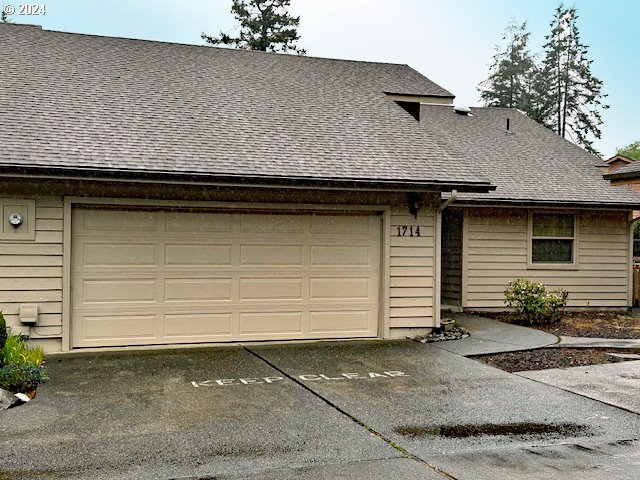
x,y
545,358
592,324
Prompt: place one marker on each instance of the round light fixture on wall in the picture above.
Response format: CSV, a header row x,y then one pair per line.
x,y
15,220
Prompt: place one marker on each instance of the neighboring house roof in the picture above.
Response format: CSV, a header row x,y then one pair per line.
x,y
631,171
530,164
112,106
619,158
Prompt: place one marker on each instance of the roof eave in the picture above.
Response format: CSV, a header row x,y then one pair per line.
x,y
548,204
246,180
404,94
615,175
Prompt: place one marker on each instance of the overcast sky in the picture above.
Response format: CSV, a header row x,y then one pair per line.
x,y
449,41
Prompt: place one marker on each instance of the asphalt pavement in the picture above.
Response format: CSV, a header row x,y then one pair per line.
x,y
616,384
352,410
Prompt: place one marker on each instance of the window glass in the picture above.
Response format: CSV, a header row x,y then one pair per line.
x,y
553,238
552,225
552,251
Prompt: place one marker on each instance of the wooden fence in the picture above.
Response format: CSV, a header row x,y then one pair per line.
x,y
636,285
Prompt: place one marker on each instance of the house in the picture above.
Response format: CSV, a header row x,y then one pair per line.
x,y
625,175
553,217
629,174
155,193
617,161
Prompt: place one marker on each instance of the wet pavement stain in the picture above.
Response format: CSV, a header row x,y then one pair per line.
x,y
493,429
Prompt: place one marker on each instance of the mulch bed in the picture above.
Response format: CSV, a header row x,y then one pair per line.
x,y
545,358
592,324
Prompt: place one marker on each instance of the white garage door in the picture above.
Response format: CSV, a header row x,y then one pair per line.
x,y
160,277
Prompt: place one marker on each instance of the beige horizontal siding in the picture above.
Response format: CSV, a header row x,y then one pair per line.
x,y
497,248
412,271
31,271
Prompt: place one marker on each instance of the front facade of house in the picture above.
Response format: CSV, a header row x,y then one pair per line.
x,y
157,194
107,271
585,252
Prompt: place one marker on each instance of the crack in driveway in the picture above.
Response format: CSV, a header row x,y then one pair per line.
x,y
354,419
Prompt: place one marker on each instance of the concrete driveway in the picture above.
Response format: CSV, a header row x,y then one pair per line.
x,y
320,410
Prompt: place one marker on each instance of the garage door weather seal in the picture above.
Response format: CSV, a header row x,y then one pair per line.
x,y
356,420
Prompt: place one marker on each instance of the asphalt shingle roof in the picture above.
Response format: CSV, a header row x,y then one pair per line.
x,y
530,164
75,102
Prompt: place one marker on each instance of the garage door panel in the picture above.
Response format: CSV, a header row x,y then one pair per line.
x,y
197,222
115,254
340,288
271,322
106,327
271,288
345,321
270,255
103,291
117,220
207,277
332,255
277,223
198,324
203,255
197,289
321,224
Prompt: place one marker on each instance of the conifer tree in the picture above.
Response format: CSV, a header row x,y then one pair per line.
x,y
511,76
264,25
572,99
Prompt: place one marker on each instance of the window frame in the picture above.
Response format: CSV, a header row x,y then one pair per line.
x,y
574,265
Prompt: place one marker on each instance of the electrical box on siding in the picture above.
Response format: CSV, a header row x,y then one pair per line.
x,y
18,219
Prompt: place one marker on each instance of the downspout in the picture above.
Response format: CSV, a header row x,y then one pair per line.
x,y
633,298
449,201
438,257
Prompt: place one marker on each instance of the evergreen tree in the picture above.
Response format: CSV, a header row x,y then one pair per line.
x,y
264,25
572,96
4,18
511,76
631,151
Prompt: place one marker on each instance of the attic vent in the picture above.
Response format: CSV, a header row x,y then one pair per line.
x,y
413,108
462,110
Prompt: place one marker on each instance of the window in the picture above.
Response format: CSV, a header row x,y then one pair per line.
x,y
553,238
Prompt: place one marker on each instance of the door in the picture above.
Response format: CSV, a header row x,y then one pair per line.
x,y
146,277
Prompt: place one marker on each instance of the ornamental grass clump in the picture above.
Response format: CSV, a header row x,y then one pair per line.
x,y
17,352
21,366
533,304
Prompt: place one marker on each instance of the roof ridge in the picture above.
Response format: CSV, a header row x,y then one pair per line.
x,y
247,51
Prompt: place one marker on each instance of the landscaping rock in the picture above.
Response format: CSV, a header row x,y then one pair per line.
x,y
7,399
456,333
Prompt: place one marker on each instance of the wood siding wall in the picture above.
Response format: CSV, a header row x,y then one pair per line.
x,y
496,243
412,270
31,271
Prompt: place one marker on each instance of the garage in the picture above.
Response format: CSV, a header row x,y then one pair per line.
x,y
154,276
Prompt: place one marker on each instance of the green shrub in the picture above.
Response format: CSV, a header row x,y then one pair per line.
x,y
17,352
21,378
532,303
3,331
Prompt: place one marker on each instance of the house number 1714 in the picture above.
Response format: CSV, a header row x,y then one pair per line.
x,y
408,231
